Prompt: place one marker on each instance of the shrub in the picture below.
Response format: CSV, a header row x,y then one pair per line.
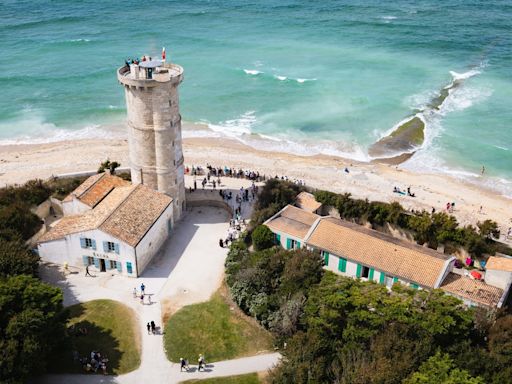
x,y
17,259
33,192
18,217
110,165
262,238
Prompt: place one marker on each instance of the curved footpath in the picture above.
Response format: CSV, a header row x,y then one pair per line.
x,y
180,276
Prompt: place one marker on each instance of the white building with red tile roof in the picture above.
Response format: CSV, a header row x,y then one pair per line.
x,y
119,227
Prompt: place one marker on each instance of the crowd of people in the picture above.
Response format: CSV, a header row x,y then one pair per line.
x,y
96,362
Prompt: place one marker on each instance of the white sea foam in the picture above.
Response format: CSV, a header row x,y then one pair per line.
x,y
253,72
281,78
304,80
503,148
388,17
32,128
79,40
465,75
235,127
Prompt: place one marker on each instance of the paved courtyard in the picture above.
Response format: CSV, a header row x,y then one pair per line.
x,y
188,269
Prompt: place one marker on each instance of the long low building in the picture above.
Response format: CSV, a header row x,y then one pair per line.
x,y
355,251
119,227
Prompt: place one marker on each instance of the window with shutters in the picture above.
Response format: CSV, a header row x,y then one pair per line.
x,y
90,260
111,247
88,242
365,272
113,264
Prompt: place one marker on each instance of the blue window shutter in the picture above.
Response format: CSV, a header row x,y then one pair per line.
x,y
120,267
82,242
86,260
107,264
358,271
382,278
105,246
97,262
370,275
116,248
93,244
288,243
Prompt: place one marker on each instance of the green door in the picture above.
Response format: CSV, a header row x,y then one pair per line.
x,y
382,279
326,258
288,243
370,275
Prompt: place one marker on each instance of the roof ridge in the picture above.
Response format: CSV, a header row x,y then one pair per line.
x,y
118,205
92,185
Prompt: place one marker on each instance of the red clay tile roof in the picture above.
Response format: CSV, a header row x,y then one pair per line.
x,y
375,249
95,188
474,290
293,221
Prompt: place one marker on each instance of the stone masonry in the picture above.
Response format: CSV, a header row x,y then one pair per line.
x,y
154,129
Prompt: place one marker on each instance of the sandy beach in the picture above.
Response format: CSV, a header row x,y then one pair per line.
x,y
19,163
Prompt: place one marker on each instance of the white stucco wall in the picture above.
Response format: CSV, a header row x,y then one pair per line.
x,y
74,207
497,278
69,250
153,239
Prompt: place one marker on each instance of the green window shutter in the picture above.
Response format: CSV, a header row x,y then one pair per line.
x,y
128,267
298,244
342,265
382,278
278,238
358,271
414,286
326,258
395,280
288,243
370,275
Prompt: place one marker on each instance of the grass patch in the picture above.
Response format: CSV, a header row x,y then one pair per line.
x,y
214,329
111,330
251,378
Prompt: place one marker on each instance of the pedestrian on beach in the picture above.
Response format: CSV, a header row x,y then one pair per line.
x,y
153,327
149,299
221,243
483,170
148,327
87,273
200,362
134,292
142,287
142,299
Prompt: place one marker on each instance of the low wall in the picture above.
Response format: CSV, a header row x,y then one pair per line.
x,y
33,240
89,173
42,210
208,197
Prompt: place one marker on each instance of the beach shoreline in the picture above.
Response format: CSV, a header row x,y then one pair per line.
x,y
374,181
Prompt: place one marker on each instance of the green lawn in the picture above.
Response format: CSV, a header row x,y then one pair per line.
x,y
213,329
111,330
251,378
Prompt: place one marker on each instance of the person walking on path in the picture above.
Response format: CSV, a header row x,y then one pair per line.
x,y
183,364
148,327
142,299
200,363
153,327
142,288
87,273
149,299
134,292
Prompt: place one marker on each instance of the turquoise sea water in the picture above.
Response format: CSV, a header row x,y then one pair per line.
x,y
326,76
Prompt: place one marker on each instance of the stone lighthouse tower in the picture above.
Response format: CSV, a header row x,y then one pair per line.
x,y
154,127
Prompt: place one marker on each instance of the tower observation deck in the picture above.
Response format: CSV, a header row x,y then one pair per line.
x,y
154,127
